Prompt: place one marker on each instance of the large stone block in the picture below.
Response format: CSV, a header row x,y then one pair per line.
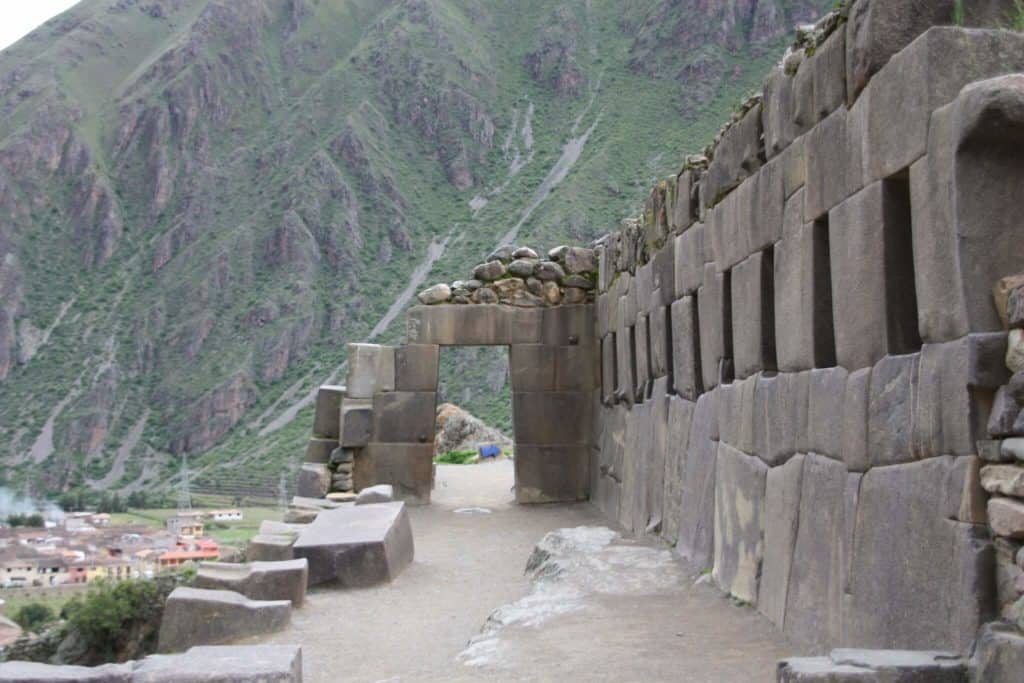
x,y
714,335
642,373
853,445
729,228
686,366
660,338
356,546
899,596
829,68
929,73
689,260
404,417
696,536
663,274
548,418
224,664
777,114
781,407
947,418
271,547
319,450
416,367
314,480
804,335
818,575
739,523
284,580
532,367
737,156
871,300
781,517
680,417
753,316
328,403
551,473
825,411
569,326
482,325
894,380
408,467
371,369
738,421
834,162
682,206
35,672
999,655
608,370
197,616
625,349
794,169
576,368
356,422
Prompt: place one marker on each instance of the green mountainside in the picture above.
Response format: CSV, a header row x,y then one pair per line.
x,y
202,201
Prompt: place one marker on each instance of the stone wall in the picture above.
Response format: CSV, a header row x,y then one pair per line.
x,y
799,348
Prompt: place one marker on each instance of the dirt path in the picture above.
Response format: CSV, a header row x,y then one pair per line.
x,y
468,564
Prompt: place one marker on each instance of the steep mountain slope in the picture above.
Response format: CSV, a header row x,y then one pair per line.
x,y
202,200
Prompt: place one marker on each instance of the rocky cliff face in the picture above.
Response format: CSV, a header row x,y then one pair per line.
x,y
201,200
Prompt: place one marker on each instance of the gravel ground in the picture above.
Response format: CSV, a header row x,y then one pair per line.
x,y
470,563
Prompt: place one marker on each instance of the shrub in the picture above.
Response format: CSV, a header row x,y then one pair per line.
x,y
33,615
456,458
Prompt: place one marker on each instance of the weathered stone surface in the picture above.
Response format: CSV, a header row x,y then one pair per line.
x,y
484,295
682,209
737,417
659,337
524,252
551,473
829,69
270,547
580,260
928,74
568,326
284,580
371,369
1006,517
356,422
777,115
416,367
473,325
319,450
686,366
404,417
999,655
825,411
818,573
834,163
575,368
357,545
437,294
1015,350
408,467
314,480
608,375
532,367
196,616
794,170
739,531
549,418
753,318
737,156
1003,415
781,515
680,417
689,260
697,510
906,599
642,373
328,402
781,408
1012,449
862,666
224,664
549,270
711,314
890,405
853,439
34,672
625,345
381,493
947,418
803,295
986,366
522,267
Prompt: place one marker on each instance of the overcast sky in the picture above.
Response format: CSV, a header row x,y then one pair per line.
x,y
18,17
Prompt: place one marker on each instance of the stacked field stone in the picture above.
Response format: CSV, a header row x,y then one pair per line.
x,y
517,276
327,470
1002,475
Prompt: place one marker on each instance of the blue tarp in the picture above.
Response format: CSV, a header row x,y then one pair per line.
x,y
490,451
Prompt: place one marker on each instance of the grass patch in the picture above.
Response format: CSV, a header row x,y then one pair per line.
x,y
456,458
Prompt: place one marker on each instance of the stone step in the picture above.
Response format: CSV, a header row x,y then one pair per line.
x,y
871,666
210,664
283,580
201,616
357,545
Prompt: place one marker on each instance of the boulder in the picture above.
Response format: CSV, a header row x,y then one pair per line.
x,y
1006,517
198,616
522,267
549,270
381,493
524,253
580,260
490,271
258,580
438,294
1007,480
357,545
